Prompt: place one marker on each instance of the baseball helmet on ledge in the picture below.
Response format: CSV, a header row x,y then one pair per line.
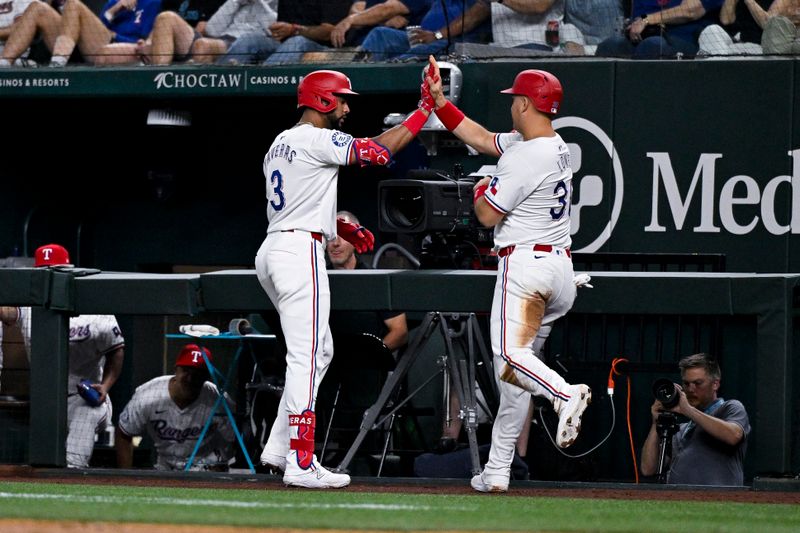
x,y
541,87
51,255
318,90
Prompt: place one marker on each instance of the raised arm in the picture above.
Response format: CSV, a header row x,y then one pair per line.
x,y
379,150
730,433
454,120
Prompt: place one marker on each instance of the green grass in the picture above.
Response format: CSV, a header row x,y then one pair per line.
x,y
352,511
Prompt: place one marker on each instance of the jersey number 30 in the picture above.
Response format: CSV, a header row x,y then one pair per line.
x,y
276,179
562,192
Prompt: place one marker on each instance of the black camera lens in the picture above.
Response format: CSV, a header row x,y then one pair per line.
x,y
666,392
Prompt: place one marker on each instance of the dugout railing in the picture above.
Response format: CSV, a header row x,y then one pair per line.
x,y
651,318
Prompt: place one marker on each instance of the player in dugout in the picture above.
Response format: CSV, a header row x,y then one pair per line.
x,y
172,410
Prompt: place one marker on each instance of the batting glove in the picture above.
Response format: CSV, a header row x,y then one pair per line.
x,y
426,101
360,237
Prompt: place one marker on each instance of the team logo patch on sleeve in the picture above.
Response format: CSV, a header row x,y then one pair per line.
x,y
341,139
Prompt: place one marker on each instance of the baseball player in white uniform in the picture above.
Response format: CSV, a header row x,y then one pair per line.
x,y
96,353
301,170
172,410
527,201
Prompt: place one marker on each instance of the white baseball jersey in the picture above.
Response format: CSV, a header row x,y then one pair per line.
x,y
302,170
511,28
532,186
91,337
175,431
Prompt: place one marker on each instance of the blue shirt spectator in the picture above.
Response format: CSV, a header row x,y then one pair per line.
x,y
662,31
384,43
130,25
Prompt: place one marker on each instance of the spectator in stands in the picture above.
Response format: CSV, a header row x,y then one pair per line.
x,y
37,18
433,37
710,448
195,12
667,32
596,20
313,21
780,24
96,354
107,40
519,24
173,410
738,33
174,39
351,30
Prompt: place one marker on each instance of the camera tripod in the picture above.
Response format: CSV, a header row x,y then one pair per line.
x,y
667,426
456,329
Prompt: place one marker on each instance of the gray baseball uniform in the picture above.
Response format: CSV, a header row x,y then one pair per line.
x,y
175,431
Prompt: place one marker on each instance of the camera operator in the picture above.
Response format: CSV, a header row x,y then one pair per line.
x,y
708,449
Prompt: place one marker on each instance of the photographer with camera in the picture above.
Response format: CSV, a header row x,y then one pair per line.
x,y
708,449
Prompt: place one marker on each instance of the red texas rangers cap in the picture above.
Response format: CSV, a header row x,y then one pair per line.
x,y
192,355
51,255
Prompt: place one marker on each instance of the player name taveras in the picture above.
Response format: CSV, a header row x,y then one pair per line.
x,y
281,150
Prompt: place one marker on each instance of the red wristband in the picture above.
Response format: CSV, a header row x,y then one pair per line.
x,y
450,115
480,191
415,122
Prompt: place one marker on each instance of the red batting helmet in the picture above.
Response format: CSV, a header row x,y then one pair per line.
x,y
318,90
51,255
541,87
192,355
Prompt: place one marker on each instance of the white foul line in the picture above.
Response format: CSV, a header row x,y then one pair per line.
x,y
223,503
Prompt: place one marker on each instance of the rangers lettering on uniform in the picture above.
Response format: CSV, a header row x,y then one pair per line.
x,y
80,332
166,432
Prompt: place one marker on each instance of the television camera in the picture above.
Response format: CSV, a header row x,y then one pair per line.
x,y
435,207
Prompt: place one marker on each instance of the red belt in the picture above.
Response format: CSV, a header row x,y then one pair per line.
x,y
317,236
536,248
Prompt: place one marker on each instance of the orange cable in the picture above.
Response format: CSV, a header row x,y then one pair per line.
x,y
612,372
630,434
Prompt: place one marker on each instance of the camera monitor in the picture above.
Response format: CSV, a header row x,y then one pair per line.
x,y
415,206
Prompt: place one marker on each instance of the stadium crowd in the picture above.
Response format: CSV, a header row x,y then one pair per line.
x,y
269,32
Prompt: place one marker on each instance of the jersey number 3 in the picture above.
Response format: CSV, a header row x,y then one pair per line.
x,y
276,179
562,192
